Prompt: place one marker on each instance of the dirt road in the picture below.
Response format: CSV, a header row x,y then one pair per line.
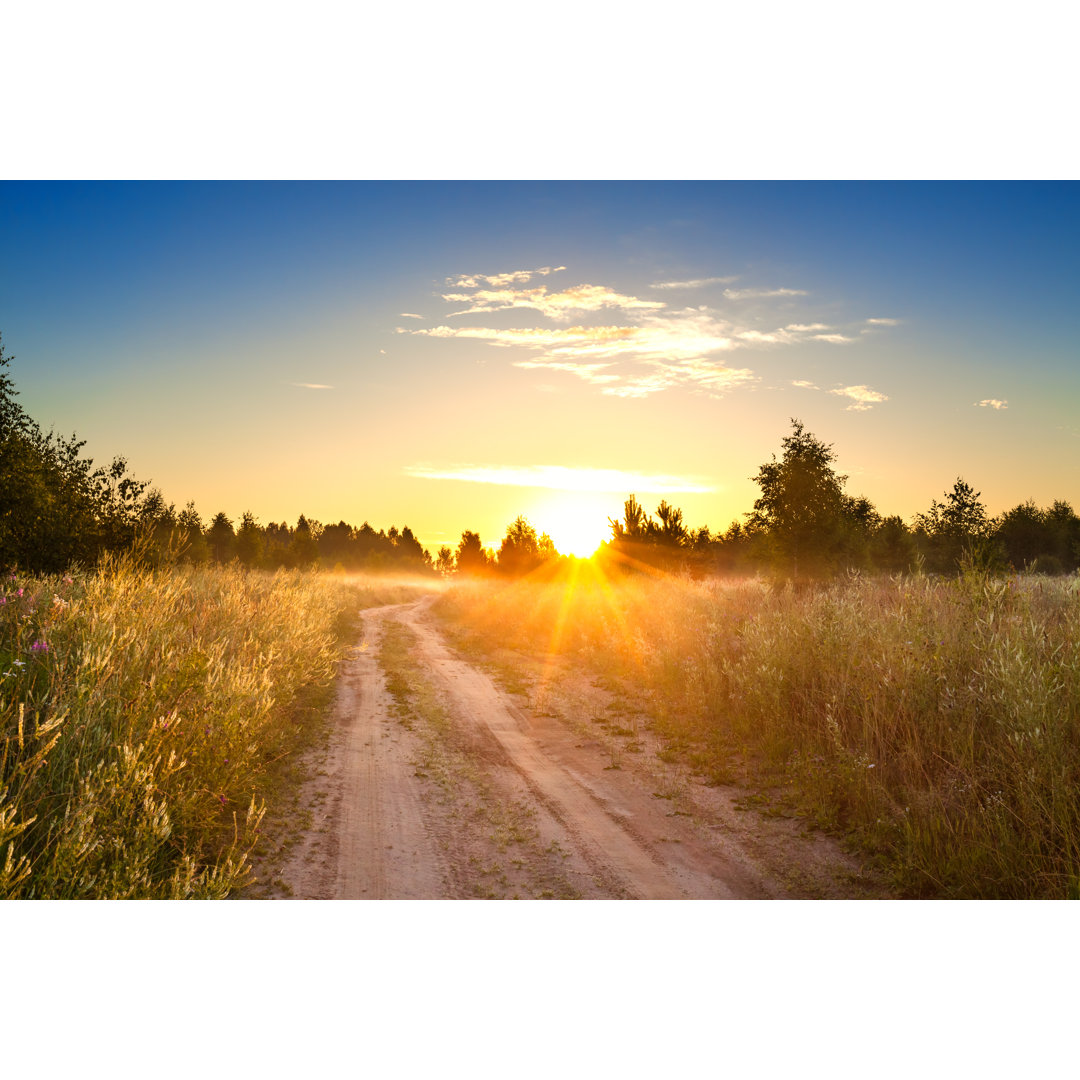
x,y
438,784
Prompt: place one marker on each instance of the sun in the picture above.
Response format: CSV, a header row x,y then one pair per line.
x,y
576,526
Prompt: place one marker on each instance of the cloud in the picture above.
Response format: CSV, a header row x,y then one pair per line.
x,y
710,377
591,373
758,294
805,384
511,277
882,322
789,335
563,478
411,315
991,403
558,306
862,397
312,385
644,346
574,337
696,283
659,351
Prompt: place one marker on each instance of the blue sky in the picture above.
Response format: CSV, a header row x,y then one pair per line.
x,y
422,352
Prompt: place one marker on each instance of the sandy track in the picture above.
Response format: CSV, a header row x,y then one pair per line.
x,y
504,800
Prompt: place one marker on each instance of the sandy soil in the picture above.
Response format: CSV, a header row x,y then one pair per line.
x,y
486,794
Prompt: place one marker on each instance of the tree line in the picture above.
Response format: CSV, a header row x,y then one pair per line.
x,y
805,526
57,509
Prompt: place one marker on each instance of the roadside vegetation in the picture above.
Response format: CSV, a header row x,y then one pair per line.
x,y
142,713
935,723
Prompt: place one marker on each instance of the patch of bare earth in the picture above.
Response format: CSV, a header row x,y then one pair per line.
x,y
438,784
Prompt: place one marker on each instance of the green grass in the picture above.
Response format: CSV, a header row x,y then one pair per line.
x,y
143,714
935,723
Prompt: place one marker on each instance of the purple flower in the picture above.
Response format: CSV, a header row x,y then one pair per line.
x,y
39,646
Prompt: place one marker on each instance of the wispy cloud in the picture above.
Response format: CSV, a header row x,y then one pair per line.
x,y
312,385
761,294
564,478
992,403
696,283
805,384
573,338
591,373
882,322
707,376
862,397
789,335
410,315
644,347
558,306
510,277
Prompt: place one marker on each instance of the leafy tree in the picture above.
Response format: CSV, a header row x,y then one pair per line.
x,y
1064,528
1045,540
892,545
190,525
221,538
634,525
470,557
802,506
444,564
304,547
954,527
55,507
249,541
337,544
670,531
521,551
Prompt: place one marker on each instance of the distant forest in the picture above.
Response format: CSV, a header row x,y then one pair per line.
x,y
58,510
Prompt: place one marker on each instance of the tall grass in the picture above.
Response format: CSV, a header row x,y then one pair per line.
x,y
936,722
138,710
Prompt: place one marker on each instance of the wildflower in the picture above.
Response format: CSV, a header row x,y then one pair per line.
x,y
69,580
18,592
39,646
223,800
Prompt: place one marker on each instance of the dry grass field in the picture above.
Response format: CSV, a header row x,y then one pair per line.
x,y
934,723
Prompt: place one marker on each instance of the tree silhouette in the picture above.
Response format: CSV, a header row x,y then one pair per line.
x,y
955,527
221,537
304,547
801,506
521,550
249,541
444,563
471,558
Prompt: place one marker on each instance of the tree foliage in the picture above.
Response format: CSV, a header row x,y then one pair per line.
x,y
521,550
802,508
55,507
